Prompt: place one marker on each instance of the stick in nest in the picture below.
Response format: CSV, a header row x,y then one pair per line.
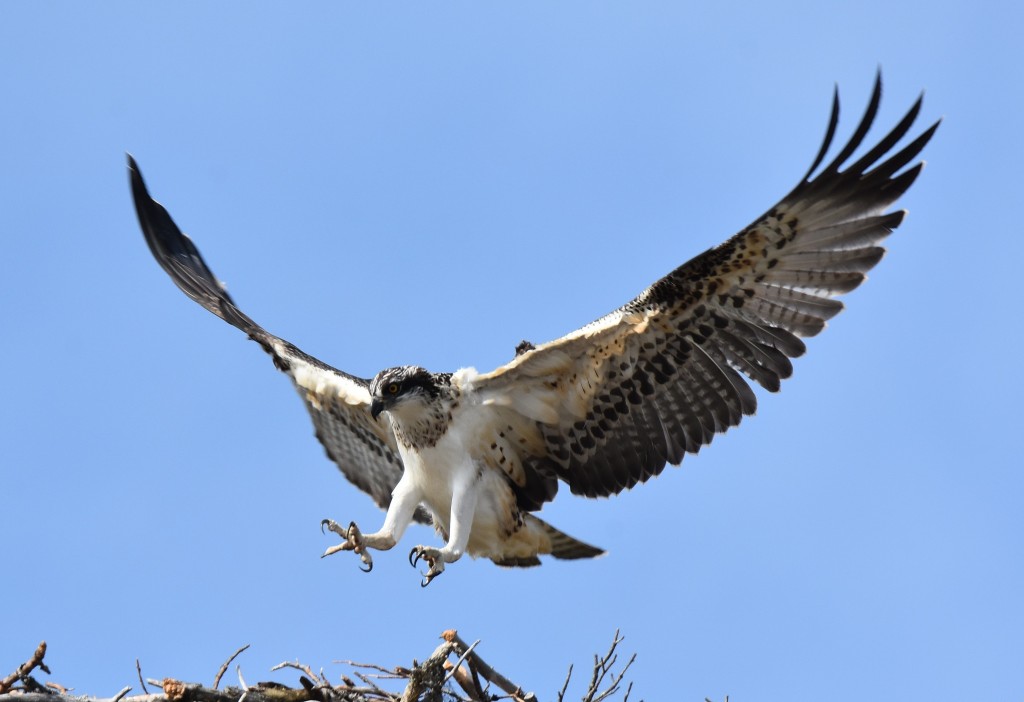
x,y
36,661
224,668
602,668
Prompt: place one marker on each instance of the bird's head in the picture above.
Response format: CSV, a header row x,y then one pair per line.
x,y
400,387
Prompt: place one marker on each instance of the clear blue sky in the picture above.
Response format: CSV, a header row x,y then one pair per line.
x,y
430,184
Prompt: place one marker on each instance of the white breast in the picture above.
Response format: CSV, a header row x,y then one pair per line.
x,y
438,471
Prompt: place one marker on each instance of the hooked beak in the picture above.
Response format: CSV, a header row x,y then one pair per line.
x,y
376,407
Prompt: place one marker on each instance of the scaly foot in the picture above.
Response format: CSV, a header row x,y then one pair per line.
x,y
433,558
353,541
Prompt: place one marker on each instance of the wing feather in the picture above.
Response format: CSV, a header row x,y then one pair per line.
x,y
338,403
665,373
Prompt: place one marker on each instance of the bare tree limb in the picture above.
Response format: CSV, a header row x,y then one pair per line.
x,y
489,674
36,661
383,694
459,674
565,685
299,666
224,668
458,663
602,668
138,669
397,670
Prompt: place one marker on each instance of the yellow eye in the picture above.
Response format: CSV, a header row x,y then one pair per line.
x,y
393,389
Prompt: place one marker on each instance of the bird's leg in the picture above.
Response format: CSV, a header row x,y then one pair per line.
x,y
403,504
463,508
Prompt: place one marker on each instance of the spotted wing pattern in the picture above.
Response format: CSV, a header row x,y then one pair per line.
x,y
609,405
338,403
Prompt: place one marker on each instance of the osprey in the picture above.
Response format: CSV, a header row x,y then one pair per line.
x,y
605,407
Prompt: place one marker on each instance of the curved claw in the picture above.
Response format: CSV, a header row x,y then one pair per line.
x,y
352,540
429,576
429,556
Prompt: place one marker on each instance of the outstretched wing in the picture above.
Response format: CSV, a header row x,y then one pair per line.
x,y
363,449
609,405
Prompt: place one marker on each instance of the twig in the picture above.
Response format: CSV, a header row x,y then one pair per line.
x,y
461,659
489,673
390,675
299,666
224,668
614,687
476,683
602,667
397,670
373,686
376,692
593,675
155,683
565,685
138,669
36,661
465,681
124,691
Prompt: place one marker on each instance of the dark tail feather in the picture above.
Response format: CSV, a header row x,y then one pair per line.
x,y
562,546
566,547
513,562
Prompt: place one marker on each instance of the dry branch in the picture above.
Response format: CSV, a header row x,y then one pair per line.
x,y
602,668
22,673
224,668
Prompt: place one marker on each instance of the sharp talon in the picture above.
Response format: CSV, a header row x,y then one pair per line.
x,y
323,523
351,540
430,575
429,556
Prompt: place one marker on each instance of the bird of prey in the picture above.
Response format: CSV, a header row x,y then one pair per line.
x,y
605,407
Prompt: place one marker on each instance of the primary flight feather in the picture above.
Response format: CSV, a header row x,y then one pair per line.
x,y
605,407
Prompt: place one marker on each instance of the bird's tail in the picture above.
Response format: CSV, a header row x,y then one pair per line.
x,y
566,547
562,546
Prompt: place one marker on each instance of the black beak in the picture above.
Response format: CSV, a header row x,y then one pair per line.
x,y
376,407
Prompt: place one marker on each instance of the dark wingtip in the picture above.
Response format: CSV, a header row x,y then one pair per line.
x,y
180,259
830,133
139,191
134,174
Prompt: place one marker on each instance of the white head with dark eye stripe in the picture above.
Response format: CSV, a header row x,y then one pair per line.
x,y
404,386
